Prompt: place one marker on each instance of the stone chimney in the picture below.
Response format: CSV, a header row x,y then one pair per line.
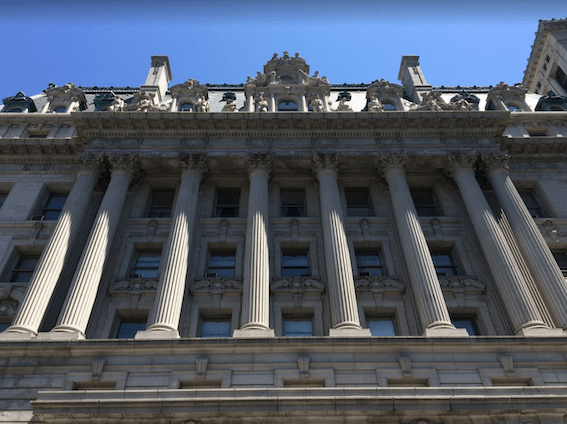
x,y
158,78
412,78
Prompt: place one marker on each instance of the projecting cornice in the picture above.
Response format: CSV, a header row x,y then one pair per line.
x,y
92,125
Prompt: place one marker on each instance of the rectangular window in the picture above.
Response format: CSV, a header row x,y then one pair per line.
x,y
161,204
381,326
424,202
298,326
3,198
227,202
128,328
53,206
561,259
215,327
222,263
368,263
532,204
292,203
358,202
468,322
146,265
561,78
444,263
24,268
295,263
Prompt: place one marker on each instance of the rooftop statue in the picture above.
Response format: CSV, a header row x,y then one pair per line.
x,y
261,103
374,105
230,106
202,105
317,104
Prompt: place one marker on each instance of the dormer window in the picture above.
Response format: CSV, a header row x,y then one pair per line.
x,y
287,106
186,107
513,108
15,110
389,106
60,109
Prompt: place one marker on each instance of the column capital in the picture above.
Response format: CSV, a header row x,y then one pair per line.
x,y
89,164
390,164
495,163
259,163
193,164
126,164
456,164
325,163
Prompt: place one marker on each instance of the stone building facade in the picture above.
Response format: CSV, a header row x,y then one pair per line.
x,y
286,250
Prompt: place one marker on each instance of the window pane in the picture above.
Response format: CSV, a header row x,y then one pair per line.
x,y
424,202
292,203
444,263
128,329
227,202
468,323
561,259
288,106
295,263
368,262
382,327
358,202
532,204
222,263
24,269
147,264
298,327
213,328
52,208
161,205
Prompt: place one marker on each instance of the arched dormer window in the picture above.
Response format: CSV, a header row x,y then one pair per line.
x,y
14,110
513,108
60,109
389,106
287,106
557,108
186,107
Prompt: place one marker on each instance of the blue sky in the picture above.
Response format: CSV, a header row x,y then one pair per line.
x,y
109,43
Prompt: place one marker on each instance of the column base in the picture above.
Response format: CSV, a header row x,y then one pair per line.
x,y
349,332
157,335
15,335
255,333
541,332
59,336
445,331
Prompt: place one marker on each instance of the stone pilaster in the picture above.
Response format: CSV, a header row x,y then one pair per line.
x,y
519,304
340,282
43,282
256,276
419,265
540,261
169,299
84,286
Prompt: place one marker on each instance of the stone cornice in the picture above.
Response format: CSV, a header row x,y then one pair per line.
x,y
534,145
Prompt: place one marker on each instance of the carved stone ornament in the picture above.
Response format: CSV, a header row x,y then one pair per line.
x,y
194,163
8,307
455,164
92,163
379,285
461,284
494,163
325,162
142,101
201,367
507,363
97,368
134,285
217,285
303,365
296,285
259,141
405,365
259,163
391,163
125,163
195,142
324,141
66,94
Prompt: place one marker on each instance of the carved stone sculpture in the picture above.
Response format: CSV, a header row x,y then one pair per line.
x,y
374,105
343,106
317,104
261,103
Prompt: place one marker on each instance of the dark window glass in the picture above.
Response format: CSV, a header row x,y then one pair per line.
x,y
292,203
532,204
368,263
215,328
295,263
186,107
513,108
129,327
222,263
382,326
468,322
227,202
389,106
4,325
3,198
52,207
298,327
358,202
424,203
444,263
60,109
161,204
561,258
561,78
24,269
146,265
287,106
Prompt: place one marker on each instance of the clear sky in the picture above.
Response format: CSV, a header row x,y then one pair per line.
x,y
109,42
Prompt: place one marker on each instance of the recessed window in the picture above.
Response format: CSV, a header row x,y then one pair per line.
x,y
369,263
298,326
24,268
561,259
532,204
468,322
3,197
381,326
358,202
128,328
444,263
15,110
537,132
292,203
146,265
215,327
389,106
52,207
287,106
222,263
513,108
295,263
186,107
161,204
424,202
561,78
227,202
60,109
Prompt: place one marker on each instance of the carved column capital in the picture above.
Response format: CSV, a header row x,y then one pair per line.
x,y
193,163
259,163
456,164
89,163
389,163
324,163
125,164
495,163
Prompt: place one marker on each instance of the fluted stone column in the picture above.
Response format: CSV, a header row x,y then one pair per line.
x,y
340,281
425,286
84,286
169,299
48,270
517,299
256,292
540,261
